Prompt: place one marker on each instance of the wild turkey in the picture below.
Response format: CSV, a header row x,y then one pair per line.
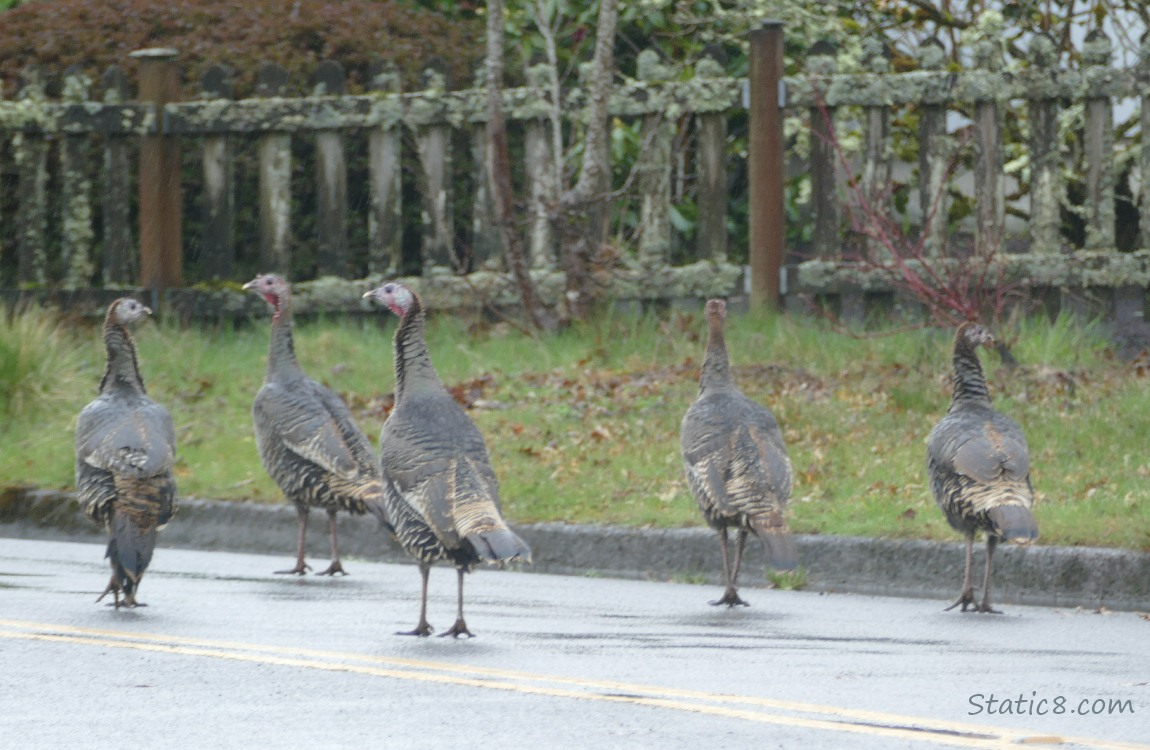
x,y
125,449
307,439
440,490
979,467
737,463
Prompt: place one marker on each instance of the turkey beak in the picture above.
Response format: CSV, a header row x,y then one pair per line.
x,y
369,295
147,311
250,285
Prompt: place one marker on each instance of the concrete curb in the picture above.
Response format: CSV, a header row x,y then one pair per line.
x,y
1044,576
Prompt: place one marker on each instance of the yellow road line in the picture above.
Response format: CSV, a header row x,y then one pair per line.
x,y
836,719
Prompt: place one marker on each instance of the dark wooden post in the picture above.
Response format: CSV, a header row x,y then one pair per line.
x,y
161,240
933,157
826,235
385,222
1098,143
119,245
3,139
76,192
218,246
1045,159
275,180
31,214
711,157
654,172
765,154
330,180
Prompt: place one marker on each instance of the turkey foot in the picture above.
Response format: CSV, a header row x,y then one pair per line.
x,y
985,607
332,569
968,605
458,629
300,569
966,599
731,599
113,589
423,629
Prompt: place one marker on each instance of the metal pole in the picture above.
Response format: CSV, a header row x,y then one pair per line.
x,y
161,240
765,154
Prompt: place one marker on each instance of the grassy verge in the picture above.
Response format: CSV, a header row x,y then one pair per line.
x,y
583,425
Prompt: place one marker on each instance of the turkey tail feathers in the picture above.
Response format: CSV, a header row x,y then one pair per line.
x,y
130,551
782,554
1013,523
499,546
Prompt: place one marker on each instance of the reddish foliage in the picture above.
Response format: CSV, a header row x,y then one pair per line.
x,y
296,35
971,288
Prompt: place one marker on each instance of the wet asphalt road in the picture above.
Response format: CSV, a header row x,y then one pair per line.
x,y
230,655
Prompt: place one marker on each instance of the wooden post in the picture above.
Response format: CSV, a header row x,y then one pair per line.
x,y
1098,143
3,139
31,214
654,172
275,181
826,235
933,158
119,246
1045,159
161,221
218,245
542,186
330,180
385,222
77,236
711,160
765,154
434,145
989,180
876,182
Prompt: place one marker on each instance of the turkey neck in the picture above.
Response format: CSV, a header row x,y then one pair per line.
x,y
282,363
716,365
122,371
969,382
413,370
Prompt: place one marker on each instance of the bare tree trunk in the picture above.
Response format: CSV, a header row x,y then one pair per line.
x,y
577,229
499,170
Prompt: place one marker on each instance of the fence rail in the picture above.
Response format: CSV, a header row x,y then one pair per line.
x,y
419,142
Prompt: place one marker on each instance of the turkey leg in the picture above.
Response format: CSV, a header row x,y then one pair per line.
x,y
423,629
300,566
335,566
991,543
966,598
730,596
460,627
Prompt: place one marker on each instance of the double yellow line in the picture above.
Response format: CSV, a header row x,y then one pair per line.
x,y
746,708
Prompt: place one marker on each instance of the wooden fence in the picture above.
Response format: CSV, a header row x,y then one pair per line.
x,y
46,147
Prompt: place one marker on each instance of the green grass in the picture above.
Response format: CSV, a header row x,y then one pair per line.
x,y
583,425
